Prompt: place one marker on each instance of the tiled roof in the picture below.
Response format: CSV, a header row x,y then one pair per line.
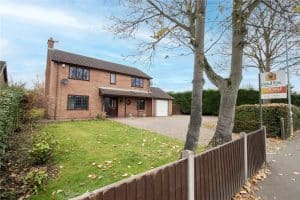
x,y
71,58
159,93
155,93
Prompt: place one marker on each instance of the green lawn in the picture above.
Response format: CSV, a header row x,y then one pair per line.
x,y
92,154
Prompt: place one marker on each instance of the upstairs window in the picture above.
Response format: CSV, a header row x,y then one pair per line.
x,y
79,73
141,104
77,102
137,82
113,78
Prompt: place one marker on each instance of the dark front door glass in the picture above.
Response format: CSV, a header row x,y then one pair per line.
x,y
110,106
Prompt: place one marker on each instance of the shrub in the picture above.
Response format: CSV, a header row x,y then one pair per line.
x,y
11,113
211,102
42,148
36,114
184,100
36,95
36,179
247,118
247,96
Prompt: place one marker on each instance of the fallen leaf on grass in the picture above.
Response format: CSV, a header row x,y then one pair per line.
x,y
57,192
92,176
125,175
108,161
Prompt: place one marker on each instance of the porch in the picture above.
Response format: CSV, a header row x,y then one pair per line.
x,y
125,106
135,103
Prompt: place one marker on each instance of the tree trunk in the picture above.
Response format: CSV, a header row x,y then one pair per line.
x,y
193,132
229,90
192,136
226,116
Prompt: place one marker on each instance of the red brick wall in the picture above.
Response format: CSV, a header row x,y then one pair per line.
x,y
57,93
131,109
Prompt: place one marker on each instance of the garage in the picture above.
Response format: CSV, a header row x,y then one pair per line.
x,y
161,108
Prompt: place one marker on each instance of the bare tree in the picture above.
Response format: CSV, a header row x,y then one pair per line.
x,y
268,32
36,95
228,87
176,24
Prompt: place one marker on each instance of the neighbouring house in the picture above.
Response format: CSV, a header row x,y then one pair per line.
x,y
3,73
78,87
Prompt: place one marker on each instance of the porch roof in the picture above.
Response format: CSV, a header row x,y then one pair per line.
x,y
122,92
155,93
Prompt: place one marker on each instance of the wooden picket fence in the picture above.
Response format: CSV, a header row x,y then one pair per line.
x,y
216,174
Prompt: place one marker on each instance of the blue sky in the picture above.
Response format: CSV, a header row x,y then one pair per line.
x,y
78,25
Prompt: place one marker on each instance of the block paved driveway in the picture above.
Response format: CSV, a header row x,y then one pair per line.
x,y
173,126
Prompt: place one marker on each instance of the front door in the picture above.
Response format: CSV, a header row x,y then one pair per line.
x,y
111,106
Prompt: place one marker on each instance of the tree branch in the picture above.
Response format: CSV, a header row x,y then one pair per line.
x,y
250,8
168,17
216,79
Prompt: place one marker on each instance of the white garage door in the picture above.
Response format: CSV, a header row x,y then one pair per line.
x,y
161,108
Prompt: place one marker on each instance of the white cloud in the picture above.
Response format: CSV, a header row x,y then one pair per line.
x,y
45,15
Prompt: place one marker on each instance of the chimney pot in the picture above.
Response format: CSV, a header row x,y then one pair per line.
x,y
51,42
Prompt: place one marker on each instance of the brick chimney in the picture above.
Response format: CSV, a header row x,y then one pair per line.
x,y
51,43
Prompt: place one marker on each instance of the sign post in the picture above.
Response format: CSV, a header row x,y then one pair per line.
x,y
272,85
260,104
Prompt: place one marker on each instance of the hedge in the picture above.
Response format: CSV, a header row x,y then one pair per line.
x,y
211,100
10,114
247,118
183,99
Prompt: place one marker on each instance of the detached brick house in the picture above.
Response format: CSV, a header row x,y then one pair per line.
x,y
77,87
3,73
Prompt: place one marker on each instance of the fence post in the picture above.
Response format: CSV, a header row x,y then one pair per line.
x,y
191,173
265,137
244,135
282,128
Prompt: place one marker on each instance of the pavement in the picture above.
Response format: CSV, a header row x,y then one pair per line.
x,y
174,126
284,181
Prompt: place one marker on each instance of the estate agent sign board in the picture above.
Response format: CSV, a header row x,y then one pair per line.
x,y
273,85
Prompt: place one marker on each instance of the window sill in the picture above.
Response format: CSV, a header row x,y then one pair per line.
x,y
77,109
78,79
